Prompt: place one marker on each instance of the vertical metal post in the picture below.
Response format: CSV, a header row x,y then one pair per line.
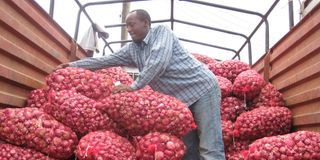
x,y
51,8
171,16
125,11
291,18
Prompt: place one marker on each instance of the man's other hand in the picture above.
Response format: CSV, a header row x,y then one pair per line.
x,y
121,88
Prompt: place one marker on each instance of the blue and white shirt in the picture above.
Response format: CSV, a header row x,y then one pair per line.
x,y
163,64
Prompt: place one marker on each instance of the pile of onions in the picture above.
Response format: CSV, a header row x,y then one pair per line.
x,y
262,122
35,129
160,146
86,82
103,145
144,111
78,112
268,97
8,152
225,86
203,58
302,145
229,69
248,85
231,108
38,98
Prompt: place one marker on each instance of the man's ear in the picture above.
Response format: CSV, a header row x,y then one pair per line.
x,y
146,23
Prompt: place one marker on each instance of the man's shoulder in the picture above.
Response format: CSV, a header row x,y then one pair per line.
x,y
161,27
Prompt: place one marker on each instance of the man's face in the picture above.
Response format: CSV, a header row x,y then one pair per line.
x,y
138,29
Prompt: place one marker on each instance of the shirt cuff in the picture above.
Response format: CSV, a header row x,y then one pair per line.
x,y
133,87
73,64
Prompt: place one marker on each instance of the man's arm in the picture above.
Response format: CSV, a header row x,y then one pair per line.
x,y
120,58
159,58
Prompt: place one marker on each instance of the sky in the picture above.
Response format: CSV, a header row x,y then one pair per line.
x,y
66,11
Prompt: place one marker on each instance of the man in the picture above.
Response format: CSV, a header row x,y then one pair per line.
x,y
168,68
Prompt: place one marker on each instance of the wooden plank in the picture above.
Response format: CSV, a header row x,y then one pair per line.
x,y
305,108
309,95
267,68
19,77
314,128
21,54
307,119
25,30
42,20
298,33
13,100
297,55
299,77
259,65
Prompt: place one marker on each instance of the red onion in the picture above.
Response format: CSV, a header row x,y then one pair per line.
x,y
229,69
262,122
88,83
268,97
79,112
248,84
38,98
12,152
35,129
104,145
231,108
227,132
203,58
160,146
144,111
117,74
300,145
225,86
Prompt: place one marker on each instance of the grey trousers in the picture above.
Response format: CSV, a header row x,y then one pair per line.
x,y
206,142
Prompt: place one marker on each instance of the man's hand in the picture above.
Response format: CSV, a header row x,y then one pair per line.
x,y
121,88
63,65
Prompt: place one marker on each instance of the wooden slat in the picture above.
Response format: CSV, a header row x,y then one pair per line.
x,y
307,119
12,99
305,108
302,30
42,20
304,50
19,77
299,77
266,68
259,65
306,96
21,54
24,29
314,128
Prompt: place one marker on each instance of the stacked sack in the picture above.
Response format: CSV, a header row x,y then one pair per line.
x,y
77,116
256,124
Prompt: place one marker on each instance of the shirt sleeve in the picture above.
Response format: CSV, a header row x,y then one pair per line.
x,y
119,58
158,60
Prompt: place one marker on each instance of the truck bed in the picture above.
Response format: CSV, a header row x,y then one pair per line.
x,y
32,45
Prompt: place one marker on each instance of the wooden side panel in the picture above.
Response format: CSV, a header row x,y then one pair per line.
x,y
31,46
294,68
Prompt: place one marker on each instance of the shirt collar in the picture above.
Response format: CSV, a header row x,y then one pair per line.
x,y
147,38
